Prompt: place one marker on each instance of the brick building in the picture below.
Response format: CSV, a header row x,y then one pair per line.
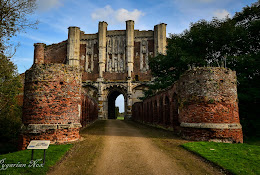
x,y
78,80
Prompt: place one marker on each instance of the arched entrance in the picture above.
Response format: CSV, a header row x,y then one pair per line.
x,y
111,99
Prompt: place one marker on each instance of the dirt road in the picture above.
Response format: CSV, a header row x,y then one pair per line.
x,y
125,150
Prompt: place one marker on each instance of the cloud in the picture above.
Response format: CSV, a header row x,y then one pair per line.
x,y
221,13
116,16
35,38
44,5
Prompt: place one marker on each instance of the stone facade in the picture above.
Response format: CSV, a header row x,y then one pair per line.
x,y
202,105
109,60
76,81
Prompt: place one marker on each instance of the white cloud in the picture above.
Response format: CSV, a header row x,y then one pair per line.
x,y
221,13
116,16
36,38
44,5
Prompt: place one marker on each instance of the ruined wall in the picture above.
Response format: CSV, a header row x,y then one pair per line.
x,y
89,109
202,105
52,103
55,53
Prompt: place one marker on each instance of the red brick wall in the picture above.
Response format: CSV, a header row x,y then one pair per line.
x,y
55,136
52,97
202,105
56,53
89,110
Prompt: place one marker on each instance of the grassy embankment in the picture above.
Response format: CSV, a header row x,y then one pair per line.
x,y
235,158
90,146
23,158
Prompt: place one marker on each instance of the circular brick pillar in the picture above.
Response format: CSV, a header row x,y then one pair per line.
x,y
52,104
39,53
208,105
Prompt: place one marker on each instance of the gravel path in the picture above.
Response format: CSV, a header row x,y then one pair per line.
x,y
127,151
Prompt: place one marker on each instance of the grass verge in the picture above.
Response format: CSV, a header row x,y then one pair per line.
x,y
81,159
236,158
120,118
23,158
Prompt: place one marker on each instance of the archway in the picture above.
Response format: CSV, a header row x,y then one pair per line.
x,y
120,107
111,99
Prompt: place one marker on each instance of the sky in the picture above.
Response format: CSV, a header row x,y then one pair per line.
x,y
55,16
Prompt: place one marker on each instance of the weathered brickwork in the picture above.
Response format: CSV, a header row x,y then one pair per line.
x,y
89,110
202,105
56,53
54,135
52,94
52,108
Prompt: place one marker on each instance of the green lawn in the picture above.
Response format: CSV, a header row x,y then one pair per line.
x,y
236,158
53,154
120,118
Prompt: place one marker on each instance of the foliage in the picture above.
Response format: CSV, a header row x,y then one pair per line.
x,y
236,158
53,154
14,18
10,111
230,42
116,111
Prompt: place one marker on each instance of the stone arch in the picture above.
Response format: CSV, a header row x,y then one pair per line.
x,y
90,91
155,114
140,112
151,111
167,110
145,112
175,113
113,93
160,114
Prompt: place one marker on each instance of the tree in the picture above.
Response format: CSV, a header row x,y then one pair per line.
x,y
10,111
117,111
14,18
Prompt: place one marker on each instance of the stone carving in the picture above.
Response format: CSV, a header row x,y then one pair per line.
x,y
115,60
144,67
89,55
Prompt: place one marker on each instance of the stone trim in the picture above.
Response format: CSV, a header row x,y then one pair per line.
x,y
212,125
38,128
